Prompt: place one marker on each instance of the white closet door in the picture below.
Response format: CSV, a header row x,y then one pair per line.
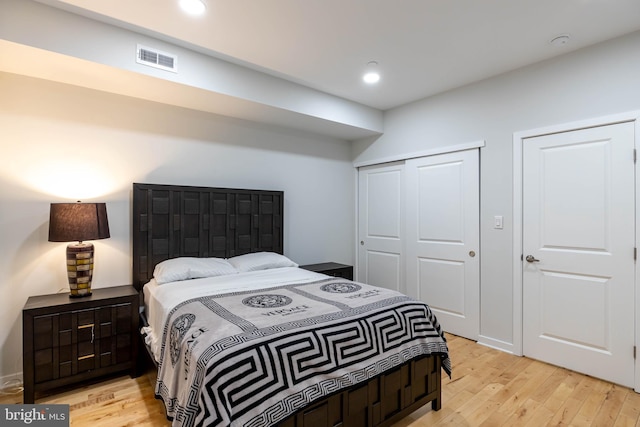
x,y
381,225
442,239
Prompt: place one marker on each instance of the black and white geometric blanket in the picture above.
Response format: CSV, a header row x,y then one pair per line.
x,y
254,358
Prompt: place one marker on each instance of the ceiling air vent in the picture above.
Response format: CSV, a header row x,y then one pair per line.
x,y
157,59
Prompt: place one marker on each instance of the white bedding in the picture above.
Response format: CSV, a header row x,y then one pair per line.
x,y
159,300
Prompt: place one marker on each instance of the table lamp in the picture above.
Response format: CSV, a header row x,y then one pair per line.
x,y
78,222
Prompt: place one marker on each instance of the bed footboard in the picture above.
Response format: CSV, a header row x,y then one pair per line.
x,y
381,401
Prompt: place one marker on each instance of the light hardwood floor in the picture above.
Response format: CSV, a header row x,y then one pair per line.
x,y
488,388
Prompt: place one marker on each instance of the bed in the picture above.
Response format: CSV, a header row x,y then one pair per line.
x,y
242,336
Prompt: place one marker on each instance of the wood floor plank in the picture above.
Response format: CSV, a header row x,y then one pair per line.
x,y
537,373
485,410
630,411
591,406
540,417
496,419
488,388
551,384
566,412
523,413
515,369
562,393
611,407
516,382
474,404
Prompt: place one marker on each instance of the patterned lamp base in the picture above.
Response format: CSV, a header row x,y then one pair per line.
x,y
80,268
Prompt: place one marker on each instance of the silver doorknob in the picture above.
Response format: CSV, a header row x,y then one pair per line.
x,y
530,258
362,242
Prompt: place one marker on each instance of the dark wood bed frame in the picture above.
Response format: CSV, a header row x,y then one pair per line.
x,y
170,221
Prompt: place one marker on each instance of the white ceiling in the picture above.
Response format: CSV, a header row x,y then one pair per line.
x,y
423,47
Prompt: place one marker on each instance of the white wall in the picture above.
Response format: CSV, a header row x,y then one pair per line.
x,y
597,81
52,135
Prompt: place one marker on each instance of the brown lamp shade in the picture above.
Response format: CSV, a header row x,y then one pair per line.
x,y
69,222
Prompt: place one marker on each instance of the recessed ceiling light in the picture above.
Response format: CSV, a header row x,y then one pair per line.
x,y
193,7
371,75
560,40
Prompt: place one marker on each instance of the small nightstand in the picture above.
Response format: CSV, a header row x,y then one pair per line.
x,y
71,340
331,269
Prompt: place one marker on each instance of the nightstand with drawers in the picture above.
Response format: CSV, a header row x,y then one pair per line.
x,y
331,269
71,340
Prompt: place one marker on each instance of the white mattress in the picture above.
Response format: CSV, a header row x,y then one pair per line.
x,y
159,300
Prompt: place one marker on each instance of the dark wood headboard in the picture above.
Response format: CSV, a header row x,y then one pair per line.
x,y
170,221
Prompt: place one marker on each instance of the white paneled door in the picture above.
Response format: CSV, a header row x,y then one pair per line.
x,y
381,226
442,244
578,251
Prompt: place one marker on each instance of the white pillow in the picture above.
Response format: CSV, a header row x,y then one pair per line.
x,y
260,261
185,268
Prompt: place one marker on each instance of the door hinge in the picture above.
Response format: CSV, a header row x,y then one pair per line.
x,y
521,257
634,352
635,156
635,254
